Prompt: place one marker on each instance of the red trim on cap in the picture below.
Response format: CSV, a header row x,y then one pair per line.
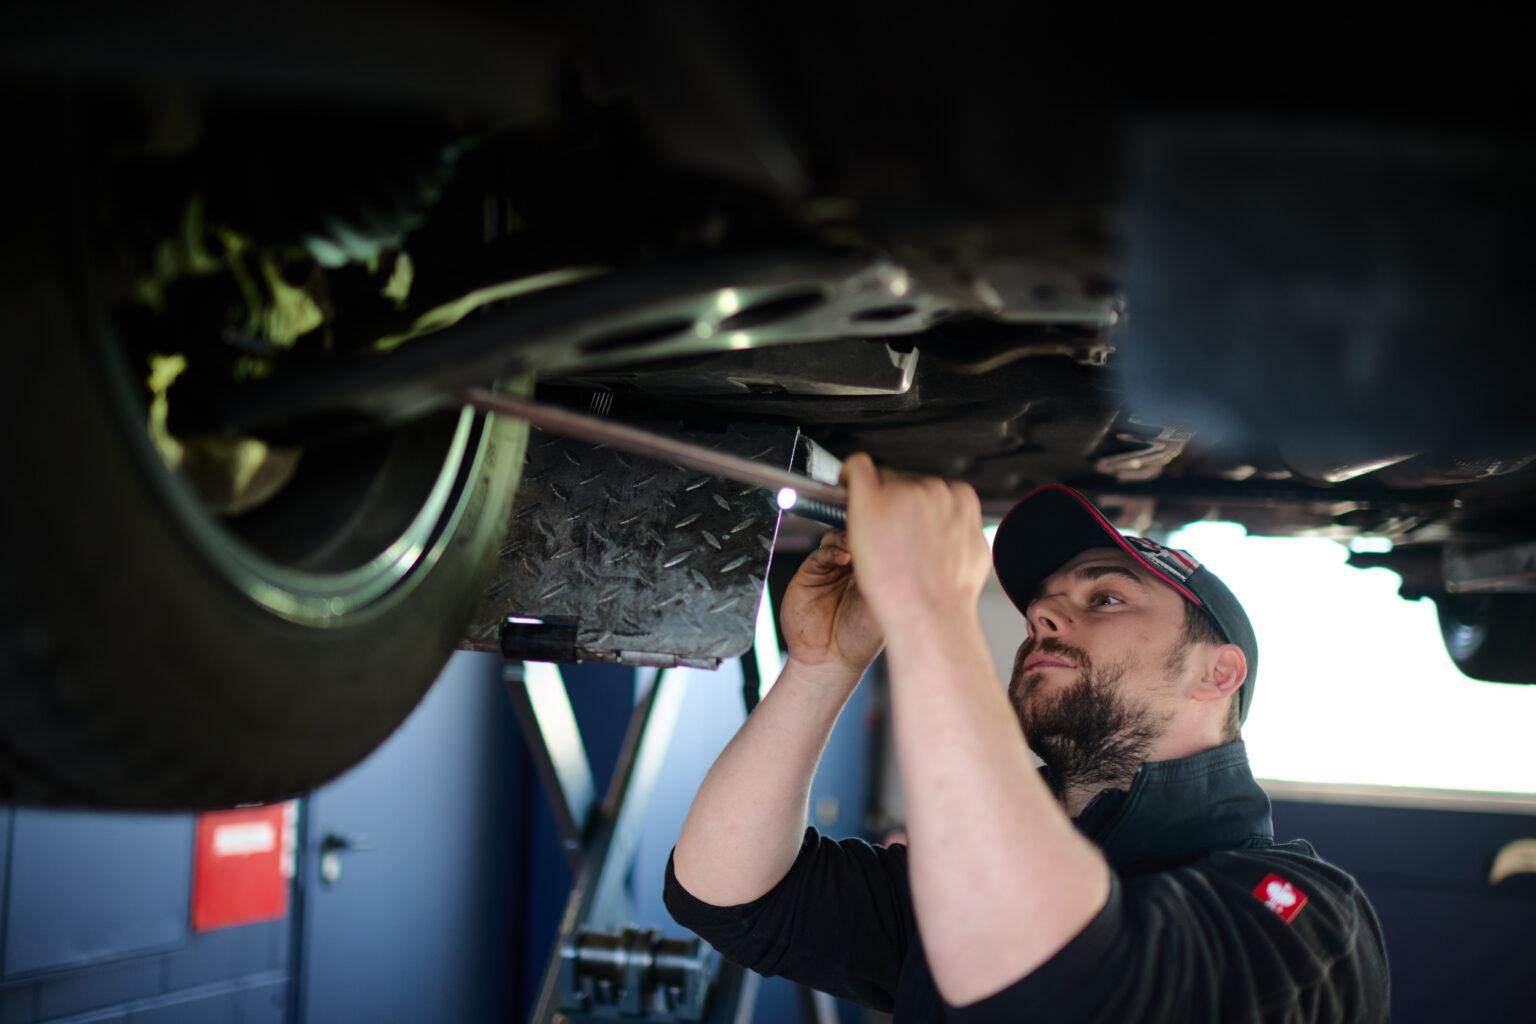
x,y
1119,540
1181,556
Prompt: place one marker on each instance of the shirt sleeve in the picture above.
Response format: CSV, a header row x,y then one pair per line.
x,y
840,920
1213,943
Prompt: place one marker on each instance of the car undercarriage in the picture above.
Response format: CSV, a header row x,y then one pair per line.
x,y
1227,290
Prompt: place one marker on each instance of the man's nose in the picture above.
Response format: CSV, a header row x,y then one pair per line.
x,y
1047,617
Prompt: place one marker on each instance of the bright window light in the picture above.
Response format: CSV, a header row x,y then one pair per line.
x,y
765,645
1354,684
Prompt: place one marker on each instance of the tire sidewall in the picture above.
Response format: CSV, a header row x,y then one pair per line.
x,y
134,674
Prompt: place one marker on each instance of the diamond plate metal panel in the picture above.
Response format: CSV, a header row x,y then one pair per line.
x,y
657,565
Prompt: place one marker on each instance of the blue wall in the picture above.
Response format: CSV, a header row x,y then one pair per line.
x,y
94,907
712,711
96,927
602,698
1460,947
422,924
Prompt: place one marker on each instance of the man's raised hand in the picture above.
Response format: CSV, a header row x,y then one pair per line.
x,y
917,542
826,621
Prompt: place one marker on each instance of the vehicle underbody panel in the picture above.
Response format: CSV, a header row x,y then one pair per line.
x,y
1192,288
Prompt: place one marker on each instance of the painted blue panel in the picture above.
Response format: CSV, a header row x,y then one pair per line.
x,y
839,794
112,1016
711,713
602,699
546,885
102,986
841,789
1398,841
87,887
7,816
16,1005
1455,956
265,1003
226,953
420,927
223,1005
1459,948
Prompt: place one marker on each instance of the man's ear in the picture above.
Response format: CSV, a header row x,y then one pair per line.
x,y
1225,671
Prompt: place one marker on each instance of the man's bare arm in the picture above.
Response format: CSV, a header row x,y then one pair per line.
x,y
1001,880
744,829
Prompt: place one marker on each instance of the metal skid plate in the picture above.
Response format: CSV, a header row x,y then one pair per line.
x,y
653,564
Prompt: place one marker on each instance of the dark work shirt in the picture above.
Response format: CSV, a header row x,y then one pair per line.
x,y
1208,919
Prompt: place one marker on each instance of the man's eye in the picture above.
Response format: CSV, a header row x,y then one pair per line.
x,y
1103,598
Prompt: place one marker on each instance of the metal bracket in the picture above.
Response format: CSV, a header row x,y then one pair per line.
x,y
544,714
602,966
635,974
1507,569
636,561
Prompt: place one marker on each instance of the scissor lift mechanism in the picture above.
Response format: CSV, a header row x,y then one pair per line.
x,y
601,966
617,558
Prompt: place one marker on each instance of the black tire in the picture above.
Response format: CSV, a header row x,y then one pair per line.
x,y
148,656
1490,636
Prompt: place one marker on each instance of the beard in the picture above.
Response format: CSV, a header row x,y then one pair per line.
x,y
1087,734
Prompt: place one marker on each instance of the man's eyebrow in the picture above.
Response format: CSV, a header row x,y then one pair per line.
x,y
1087,573
1093,572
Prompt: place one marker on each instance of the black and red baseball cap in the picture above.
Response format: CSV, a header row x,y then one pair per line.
x,y
1052,525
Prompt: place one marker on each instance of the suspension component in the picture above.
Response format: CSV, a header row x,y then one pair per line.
x,y
635,974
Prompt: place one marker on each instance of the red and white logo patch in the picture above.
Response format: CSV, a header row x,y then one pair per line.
x,y
1280,896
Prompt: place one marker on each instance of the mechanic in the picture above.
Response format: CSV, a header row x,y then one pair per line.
x,y
1134,878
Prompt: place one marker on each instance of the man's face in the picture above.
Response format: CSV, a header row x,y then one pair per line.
x,y
1099,677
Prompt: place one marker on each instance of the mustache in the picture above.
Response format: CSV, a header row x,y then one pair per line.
x,y
1051,645
1045,645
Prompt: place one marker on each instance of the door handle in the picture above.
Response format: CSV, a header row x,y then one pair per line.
x,y
331,849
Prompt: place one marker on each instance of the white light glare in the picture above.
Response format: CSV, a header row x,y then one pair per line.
x,y
787,498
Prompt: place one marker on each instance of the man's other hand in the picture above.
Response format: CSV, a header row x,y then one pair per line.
x,y
917,543
826,621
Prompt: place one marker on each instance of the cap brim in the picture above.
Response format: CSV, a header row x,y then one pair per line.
x,y
1049,526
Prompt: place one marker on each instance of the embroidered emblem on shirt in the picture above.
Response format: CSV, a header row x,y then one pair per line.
x,y
1280,896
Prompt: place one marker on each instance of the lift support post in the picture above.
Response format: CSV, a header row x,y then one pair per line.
x,y
618,558
601,966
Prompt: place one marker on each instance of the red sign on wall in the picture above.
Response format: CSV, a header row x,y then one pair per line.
x,y
242,866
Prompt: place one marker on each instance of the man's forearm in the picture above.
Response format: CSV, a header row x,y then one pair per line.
x,y
744,829
1001,879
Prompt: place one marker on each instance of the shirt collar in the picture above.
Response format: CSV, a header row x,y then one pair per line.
x,y
1178,810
